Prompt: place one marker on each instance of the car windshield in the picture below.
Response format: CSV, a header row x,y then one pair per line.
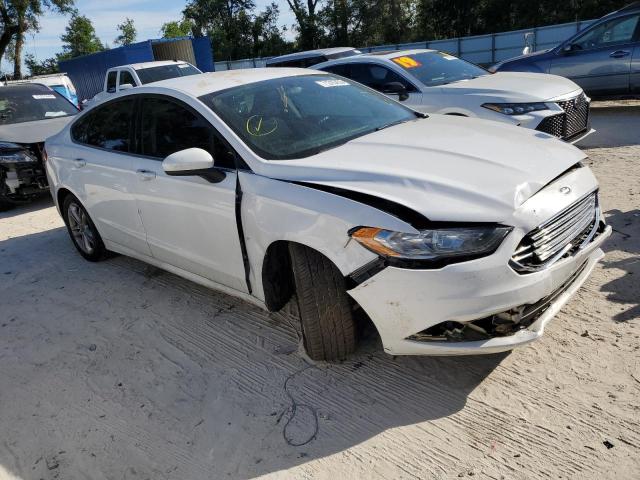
x,y
438,68
164,72
18,105
295,117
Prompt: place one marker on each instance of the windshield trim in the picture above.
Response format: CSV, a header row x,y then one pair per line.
x,y
263,155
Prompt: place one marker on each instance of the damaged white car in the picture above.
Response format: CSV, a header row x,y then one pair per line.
x,y
454,236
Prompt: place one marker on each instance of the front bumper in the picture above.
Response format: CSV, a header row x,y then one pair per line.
x,y
404,302
566,118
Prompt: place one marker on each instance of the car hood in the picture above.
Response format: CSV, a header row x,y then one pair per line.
x,y
33,132
446,168
514,87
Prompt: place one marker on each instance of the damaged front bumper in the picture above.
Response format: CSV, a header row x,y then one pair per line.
x,y
22,175
476,307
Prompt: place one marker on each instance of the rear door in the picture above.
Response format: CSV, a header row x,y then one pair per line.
x,y
634,77
600,59
100,172
190,222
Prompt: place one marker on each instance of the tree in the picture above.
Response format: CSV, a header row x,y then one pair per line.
x,y
45,67
127,33
20,16
309,31
176,29
79,38
234,29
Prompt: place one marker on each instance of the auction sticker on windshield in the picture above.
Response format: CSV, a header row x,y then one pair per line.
x,y
332,83
44,97
407,62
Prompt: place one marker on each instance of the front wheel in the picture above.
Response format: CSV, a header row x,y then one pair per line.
x,y
328,327
82,230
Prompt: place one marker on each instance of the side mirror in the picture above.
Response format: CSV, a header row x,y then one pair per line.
x,y
125,86
396,88
570,47
192,162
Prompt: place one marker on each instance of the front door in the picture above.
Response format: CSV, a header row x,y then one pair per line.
x,y
600,59
190,222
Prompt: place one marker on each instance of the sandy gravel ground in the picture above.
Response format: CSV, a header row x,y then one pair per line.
x,y
117,370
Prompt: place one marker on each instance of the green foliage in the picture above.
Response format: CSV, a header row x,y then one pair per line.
x,y
128,33
234,29
176,29
79,38
45,67
17,17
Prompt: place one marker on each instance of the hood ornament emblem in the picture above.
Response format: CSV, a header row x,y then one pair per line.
x,y
565,190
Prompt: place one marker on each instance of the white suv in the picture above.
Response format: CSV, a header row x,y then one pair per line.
x,y
454,236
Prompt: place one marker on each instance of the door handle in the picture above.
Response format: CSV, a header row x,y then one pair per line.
x,y
620,53
145,175
79,162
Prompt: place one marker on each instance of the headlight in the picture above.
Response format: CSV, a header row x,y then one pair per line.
x,y
17,157
432,246
515,108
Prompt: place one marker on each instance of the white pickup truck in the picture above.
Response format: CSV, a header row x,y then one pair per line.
x,y
133,75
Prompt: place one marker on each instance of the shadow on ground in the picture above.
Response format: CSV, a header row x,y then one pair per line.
x,y
616,126
123,367
625,289
44,201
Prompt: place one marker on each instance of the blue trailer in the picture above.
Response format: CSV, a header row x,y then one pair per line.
x,y
87,72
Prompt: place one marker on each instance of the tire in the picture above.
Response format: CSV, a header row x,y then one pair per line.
x,y
328,327
82,230
5,205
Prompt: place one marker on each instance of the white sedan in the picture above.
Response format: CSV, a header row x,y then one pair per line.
x,y
436,82
273,184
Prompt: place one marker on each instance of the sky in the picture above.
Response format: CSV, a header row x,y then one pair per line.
x,y
148,17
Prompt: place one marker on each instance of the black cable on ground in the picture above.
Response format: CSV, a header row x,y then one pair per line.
x,y
293,409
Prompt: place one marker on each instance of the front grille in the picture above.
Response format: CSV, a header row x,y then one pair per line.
x,y
560,236
572,122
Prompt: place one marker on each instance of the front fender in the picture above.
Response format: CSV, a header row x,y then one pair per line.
x,y
274,210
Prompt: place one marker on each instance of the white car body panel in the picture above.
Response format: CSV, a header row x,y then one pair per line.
x,y
445,168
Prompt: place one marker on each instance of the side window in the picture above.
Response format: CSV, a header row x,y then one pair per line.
x,y
376,76
126,78
168,127
342,70
614,32
108,126
111,82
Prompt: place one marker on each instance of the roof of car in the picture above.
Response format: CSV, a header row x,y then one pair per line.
x,y
396,53
381,55
197,85
157,63
310,53
28,87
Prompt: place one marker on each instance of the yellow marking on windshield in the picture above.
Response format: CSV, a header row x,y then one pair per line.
x,y
407,62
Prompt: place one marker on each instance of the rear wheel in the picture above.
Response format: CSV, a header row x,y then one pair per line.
x,y
82,231
328,327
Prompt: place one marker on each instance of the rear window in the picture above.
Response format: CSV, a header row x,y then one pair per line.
x,y
19,105
438,68
164,72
